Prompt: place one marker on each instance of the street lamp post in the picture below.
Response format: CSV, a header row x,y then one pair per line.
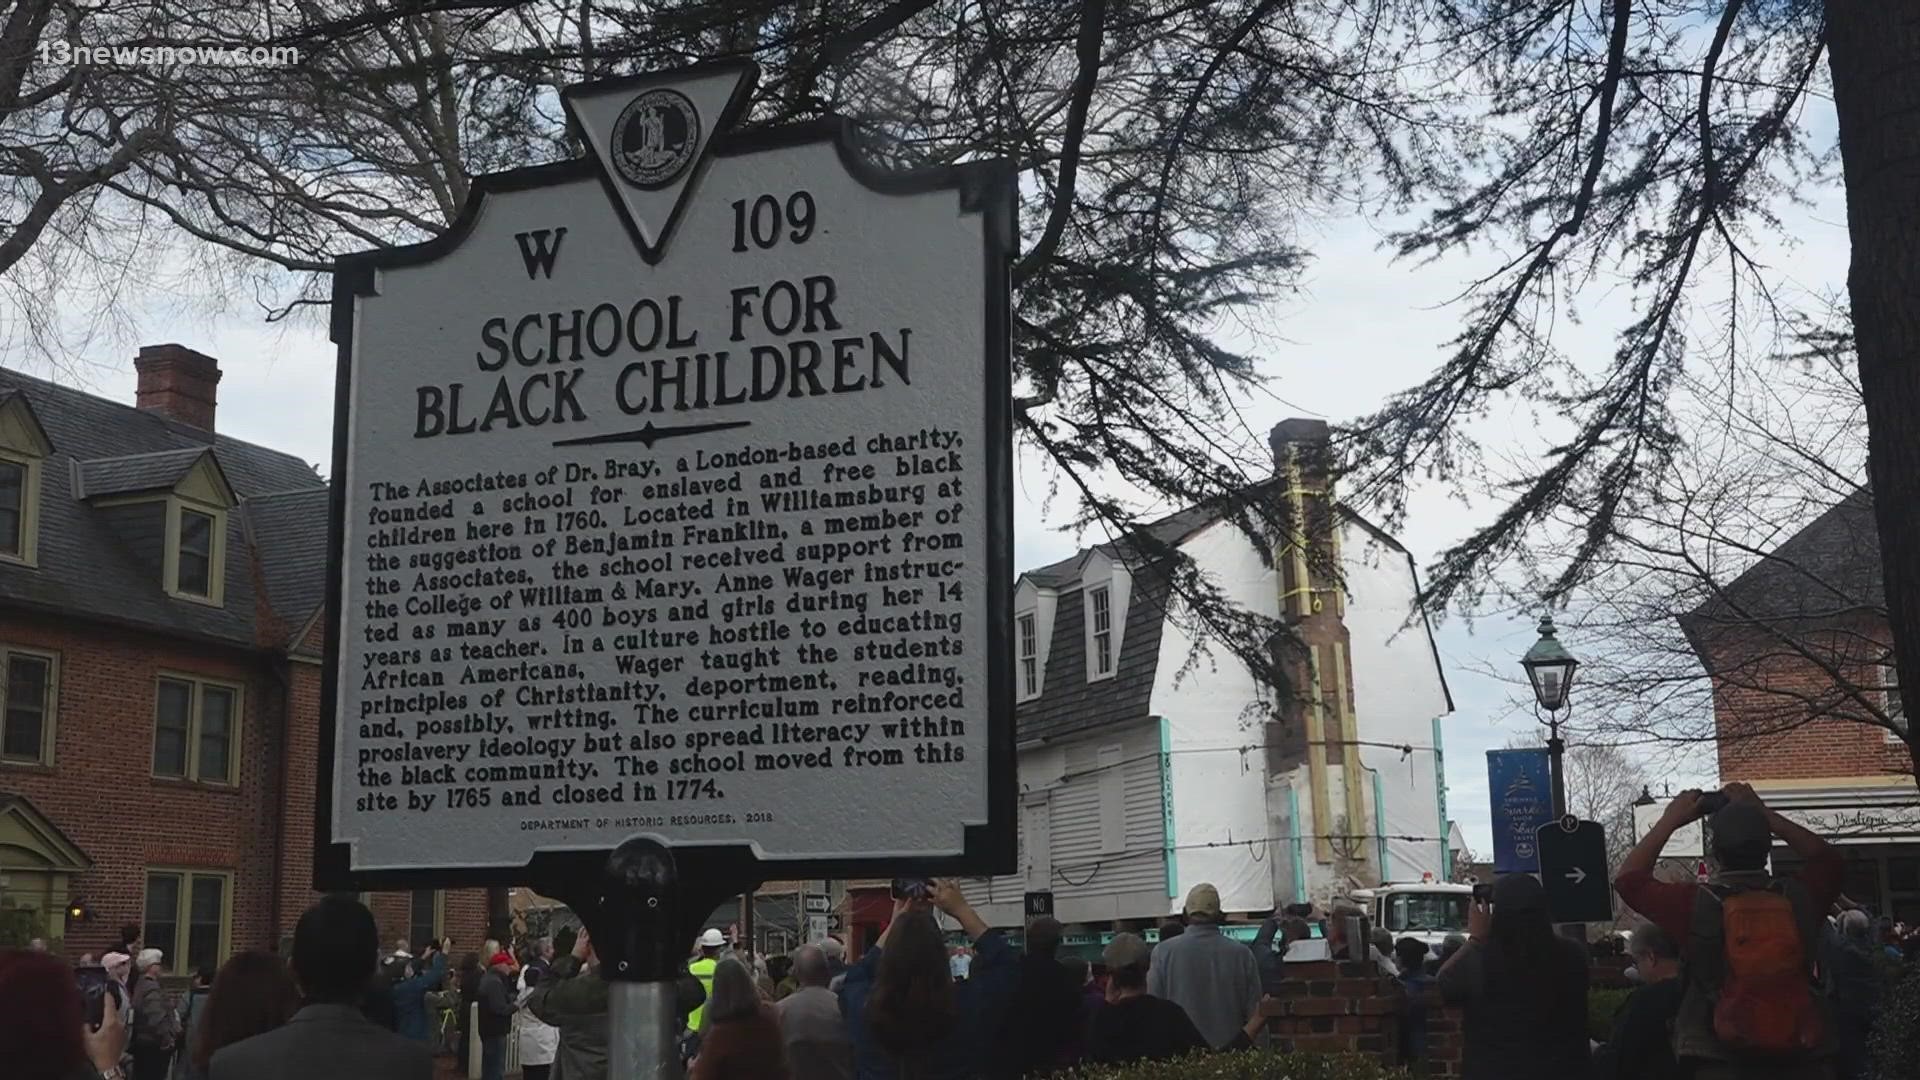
x,y
1550,669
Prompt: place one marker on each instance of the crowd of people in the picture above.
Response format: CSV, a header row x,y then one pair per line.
x,y
1745,977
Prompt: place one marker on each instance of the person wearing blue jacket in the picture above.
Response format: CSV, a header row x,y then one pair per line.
x,y
410,993
906,1016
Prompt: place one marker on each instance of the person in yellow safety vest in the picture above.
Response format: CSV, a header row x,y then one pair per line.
x,y
711,943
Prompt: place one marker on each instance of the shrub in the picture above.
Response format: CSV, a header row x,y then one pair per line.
x,y
1893,1051
1601,1005
1253,1065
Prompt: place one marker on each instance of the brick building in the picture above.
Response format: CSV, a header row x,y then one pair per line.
x,y
160,596
1807,705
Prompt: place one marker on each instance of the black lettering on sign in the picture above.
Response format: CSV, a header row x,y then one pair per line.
x,y
761,220
535,252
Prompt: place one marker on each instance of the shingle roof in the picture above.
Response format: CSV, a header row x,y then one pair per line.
x,y
1827,570
87,564
1068,704
158,471
290,533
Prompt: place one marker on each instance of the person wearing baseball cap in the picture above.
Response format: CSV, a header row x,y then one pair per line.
x,y
711,941
496,1015
1214,978
1134,1025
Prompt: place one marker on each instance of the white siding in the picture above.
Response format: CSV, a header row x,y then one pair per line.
x,y
1098,868
1397,695
1219,793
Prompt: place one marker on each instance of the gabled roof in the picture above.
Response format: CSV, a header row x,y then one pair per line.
x,y
1829,569
89,566
15,404
1068,704
161,470
24,827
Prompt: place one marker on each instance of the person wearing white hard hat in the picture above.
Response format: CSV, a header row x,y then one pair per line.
x,y
710,942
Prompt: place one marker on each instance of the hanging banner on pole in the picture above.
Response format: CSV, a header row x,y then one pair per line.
x,y
672,499
1520,786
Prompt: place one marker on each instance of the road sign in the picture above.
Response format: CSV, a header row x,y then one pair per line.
x,y
818,905
1573,867
1039,905
816,929
1521,793
672,499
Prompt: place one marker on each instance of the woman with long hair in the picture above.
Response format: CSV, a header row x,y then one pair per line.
x,y
906,1016
739,1035
253,993
1522,989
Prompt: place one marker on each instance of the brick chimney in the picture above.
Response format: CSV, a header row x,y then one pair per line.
x,y
178,383
1319,727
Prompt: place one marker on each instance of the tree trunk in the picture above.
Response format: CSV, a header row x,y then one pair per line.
x,y
1874,54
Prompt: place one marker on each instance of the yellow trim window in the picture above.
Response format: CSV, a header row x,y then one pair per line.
x,y
196,551
26,727
19,506
189,917
196,730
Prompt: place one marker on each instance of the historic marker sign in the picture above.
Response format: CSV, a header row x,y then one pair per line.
x,y
672,499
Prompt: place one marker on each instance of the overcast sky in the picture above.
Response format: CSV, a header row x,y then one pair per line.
x,y
1361,327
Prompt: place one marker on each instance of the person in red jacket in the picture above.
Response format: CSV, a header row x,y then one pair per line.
x,y
1741,832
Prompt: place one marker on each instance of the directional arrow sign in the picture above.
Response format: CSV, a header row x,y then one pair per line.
x,y
1573,867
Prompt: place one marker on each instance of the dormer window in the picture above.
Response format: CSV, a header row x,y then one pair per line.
x,y
13,508
1105,587
194,573
170,508
1100,618
1033,608
1029,656
23,446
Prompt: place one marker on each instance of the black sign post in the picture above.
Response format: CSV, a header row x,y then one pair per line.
x,y
1039,905
1573,867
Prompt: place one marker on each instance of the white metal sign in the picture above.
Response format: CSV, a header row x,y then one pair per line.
x,y
672,500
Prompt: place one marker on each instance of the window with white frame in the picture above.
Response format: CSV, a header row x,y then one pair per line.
x,y
1100,614
1890,700
1029,656
1034,606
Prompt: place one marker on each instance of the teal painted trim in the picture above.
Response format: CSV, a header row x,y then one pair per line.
x,y
1440,796
1166,805
1299,855
1380,825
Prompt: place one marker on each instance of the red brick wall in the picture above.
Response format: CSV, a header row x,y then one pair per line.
x,y
466,909
1325,1007
1783,716
100,790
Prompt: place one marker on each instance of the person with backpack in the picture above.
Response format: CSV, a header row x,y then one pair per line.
x,y
1749,940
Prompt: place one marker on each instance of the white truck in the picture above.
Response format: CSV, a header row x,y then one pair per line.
x,y
1427,910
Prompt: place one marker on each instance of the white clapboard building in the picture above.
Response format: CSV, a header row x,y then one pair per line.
x,y
1141,774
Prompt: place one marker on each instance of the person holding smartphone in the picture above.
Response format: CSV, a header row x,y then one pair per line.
x,y
47,1035
905,1015
1521,987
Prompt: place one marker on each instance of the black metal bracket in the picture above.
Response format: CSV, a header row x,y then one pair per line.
x,y
644,903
